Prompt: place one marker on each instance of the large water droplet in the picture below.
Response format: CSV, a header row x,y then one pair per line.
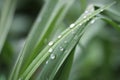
x,y
59,36
50,43
50,50
92,21
72,25
61,49
52,56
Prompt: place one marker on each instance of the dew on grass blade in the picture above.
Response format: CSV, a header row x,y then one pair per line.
x,y
50,43
72,25
59,36
52,56
50,50
61,49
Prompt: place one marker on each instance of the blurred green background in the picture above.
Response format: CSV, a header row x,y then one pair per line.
x,y
96,58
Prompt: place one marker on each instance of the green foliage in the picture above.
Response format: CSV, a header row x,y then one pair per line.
x,y
55,51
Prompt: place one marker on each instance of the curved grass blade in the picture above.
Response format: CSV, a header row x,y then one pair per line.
x,y
114,24
64,71
54,49
53,12
92,30
6,20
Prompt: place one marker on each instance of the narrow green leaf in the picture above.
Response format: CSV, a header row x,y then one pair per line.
x,y
52,13
64,71
80,55
111,22
57,57
6,20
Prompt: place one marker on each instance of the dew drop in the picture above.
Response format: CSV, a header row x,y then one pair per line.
x,y
72,25
50,43
52,56
59,36
46,62
84,16
101,10
61,49
80,24
50,50
86,11
92,21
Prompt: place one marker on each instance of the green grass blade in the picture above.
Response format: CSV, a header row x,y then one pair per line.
x,y
53,12
89,35
6,20
64,71
111,22
54,49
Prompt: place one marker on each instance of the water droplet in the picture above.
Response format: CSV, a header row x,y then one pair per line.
x,y
92,21
52,56
50,43
72,25
59,36
101,10
84,16
80,24
65,41
61,49
46,62
50,50
86,11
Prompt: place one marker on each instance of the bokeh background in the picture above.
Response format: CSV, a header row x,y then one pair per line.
x,y
96,58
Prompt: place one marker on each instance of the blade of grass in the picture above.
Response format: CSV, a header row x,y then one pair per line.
x,y
6,20
58,42
92,30
111,22
64,71
53,12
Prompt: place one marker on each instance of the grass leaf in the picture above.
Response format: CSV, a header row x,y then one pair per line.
x,y
6,20
54,49
52,13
